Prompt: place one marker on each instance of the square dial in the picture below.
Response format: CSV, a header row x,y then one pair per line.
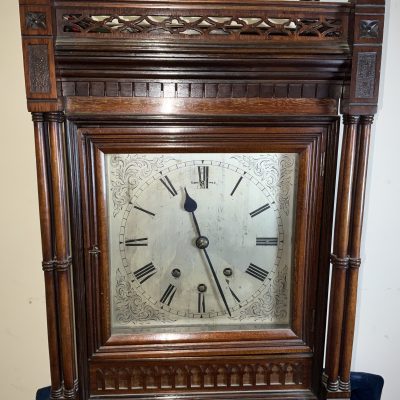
x,y
203,241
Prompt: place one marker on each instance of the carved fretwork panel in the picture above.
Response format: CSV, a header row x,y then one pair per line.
x,y
216,375
209,25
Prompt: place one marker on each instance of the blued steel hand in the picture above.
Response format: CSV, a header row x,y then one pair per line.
x,y
191,206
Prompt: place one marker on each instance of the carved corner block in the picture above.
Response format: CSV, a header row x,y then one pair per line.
x,y
38,51
368,29
36,20
361,93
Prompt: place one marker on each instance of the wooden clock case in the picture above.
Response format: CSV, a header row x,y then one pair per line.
x,y
201,76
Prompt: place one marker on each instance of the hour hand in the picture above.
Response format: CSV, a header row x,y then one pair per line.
x,y
190,205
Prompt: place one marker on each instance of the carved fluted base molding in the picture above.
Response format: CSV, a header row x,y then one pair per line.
x,y
56,394
333,386
340,391
344,385
63,394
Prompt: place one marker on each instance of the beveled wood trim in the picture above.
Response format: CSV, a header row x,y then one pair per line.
x,y
101,228
301,256
121,351
324,7
34,2
80,305
170,106
189,138
204,339
89,239
38,106
325,224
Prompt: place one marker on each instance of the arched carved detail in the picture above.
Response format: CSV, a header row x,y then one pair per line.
x,y
216,376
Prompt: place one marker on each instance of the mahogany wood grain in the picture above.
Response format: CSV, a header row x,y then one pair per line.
x,y
359,184
80,306
251,89
165,107
34,2
362,90
45,212
62,260
292,135
340,251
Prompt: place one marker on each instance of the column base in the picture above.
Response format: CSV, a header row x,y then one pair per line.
x,y
337,394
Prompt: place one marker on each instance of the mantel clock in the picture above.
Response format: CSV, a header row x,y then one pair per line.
x,y
187,155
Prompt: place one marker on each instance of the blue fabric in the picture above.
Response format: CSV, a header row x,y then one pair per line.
x,y
43,394
366,386
363,387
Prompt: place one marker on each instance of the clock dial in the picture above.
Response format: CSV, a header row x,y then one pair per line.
x,y
202,239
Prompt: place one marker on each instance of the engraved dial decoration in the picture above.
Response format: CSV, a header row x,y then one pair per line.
x,y
200,240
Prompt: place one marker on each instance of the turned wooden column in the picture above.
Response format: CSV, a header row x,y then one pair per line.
x,y
354,251
45,213
339,257
62,257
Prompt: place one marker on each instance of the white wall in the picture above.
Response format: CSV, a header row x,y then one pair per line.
x,y
377,345
23,345
23,341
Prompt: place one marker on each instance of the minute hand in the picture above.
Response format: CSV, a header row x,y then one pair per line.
x,y
191,206
217,282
